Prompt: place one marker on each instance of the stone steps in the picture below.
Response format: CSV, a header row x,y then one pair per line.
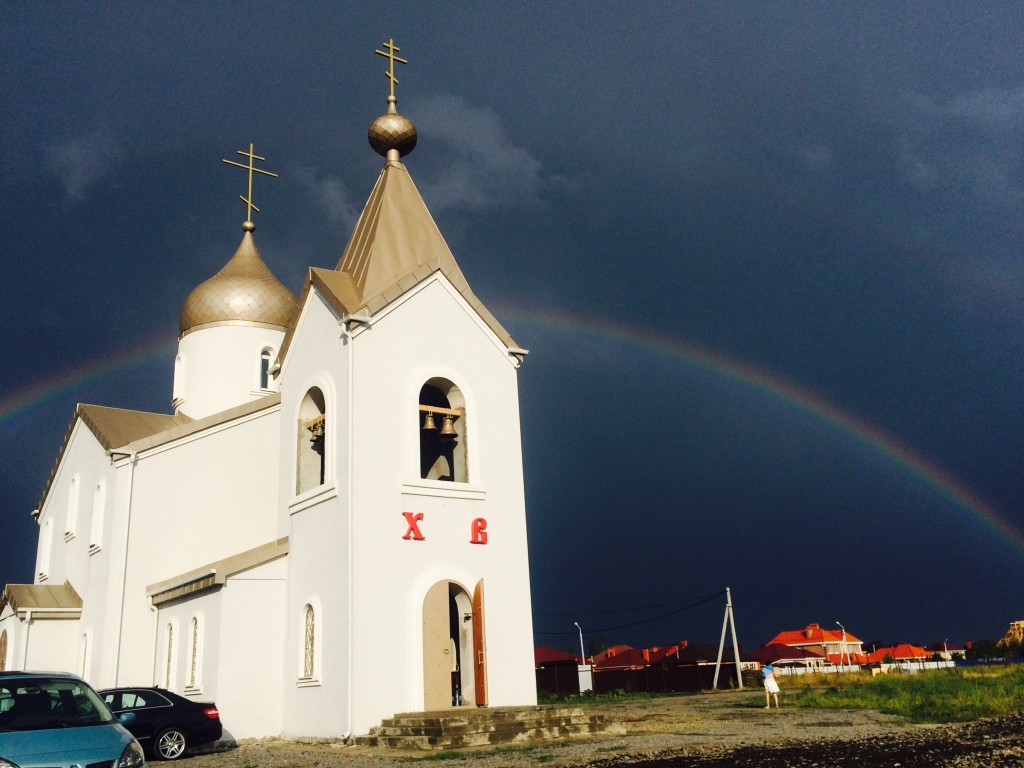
x,y
458,728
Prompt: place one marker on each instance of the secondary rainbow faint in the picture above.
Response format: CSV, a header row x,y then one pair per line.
x,y
770,386
27,399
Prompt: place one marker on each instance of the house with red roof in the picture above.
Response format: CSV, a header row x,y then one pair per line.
x,y
899,653
835,645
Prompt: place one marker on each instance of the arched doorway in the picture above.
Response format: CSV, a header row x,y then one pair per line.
x,y
454,658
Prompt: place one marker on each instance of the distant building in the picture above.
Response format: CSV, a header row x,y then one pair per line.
x,y
945,650
901,652
836,646
1014,635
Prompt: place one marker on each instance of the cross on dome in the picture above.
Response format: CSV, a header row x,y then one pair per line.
x,y
249,226
390,56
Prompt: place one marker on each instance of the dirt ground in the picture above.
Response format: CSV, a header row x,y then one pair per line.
x,y
710,730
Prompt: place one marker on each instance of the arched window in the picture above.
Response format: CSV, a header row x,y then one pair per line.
x,y
3,650
71,521
308,642
441,421
99,502
311,442
169,655
195,654
266,360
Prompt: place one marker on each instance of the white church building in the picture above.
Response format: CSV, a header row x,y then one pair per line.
x,y
330,527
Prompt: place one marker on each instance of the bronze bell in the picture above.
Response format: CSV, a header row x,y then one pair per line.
x,y
428,422
448,426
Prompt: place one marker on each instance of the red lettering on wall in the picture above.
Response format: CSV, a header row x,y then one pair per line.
x,y
478,531
413,531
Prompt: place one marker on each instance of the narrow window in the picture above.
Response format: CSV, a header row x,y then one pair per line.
x,y
193,677
266,359
311,442
309,642
99,499
441,421
71,521
170,655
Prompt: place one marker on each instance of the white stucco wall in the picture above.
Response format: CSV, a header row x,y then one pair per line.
x,y
316,523
251,644
197,500
220,367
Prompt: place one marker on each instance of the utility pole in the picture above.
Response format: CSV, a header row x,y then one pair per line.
x,y
728,620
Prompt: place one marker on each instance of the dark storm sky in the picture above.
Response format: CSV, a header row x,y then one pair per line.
x,y
766,257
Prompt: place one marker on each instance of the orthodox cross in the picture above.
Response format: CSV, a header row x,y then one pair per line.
x,y
390,56
252,169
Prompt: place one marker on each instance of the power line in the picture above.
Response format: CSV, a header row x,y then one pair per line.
x,y
699,602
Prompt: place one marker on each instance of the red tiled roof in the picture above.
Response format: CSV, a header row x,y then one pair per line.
x,y
629,658
544,655
610,651
812,634
899,652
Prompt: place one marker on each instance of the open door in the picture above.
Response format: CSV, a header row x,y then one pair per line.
x,y
437,652
479,648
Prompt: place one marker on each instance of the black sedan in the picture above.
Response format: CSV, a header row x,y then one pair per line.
x,y
165,723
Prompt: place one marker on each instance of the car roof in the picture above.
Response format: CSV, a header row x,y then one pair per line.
x,y
19,674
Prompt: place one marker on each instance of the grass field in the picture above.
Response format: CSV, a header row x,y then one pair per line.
x,y
934,696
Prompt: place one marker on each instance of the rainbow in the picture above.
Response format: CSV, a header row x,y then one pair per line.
x,y
766,384
25,400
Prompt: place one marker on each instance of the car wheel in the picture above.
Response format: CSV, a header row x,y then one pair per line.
x,y
170,744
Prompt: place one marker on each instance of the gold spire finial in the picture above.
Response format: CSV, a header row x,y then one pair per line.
x,y
249,226
390,56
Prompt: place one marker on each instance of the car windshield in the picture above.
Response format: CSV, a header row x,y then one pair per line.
x,y
34,703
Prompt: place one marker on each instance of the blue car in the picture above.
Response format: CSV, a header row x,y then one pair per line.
x,y
55,720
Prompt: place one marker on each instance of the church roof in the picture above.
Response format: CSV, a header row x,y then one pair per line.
x,y
244,291
119,428
112,428
395,245
40,598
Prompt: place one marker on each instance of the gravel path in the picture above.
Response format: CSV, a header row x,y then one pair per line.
x,y
709,730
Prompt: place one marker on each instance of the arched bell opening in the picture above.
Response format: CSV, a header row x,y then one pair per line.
x,y
441,420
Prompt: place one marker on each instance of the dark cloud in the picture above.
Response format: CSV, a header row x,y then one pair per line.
x,y
830,197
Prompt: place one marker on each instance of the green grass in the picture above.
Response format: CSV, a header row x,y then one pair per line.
x,y
933,696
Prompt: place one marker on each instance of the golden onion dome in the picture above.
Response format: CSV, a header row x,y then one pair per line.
x,y
244,291
392,131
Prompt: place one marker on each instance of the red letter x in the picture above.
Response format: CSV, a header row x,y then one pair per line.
x,y
413,531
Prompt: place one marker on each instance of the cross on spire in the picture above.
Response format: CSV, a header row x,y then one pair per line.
x,y
390,56
247,199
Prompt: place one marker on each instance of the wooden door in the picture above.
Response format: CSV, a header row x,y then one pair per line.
x,y
437,659
479,647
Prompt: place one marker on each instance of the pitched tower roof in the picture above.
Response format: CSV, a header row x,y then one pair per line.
x,y
396,243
